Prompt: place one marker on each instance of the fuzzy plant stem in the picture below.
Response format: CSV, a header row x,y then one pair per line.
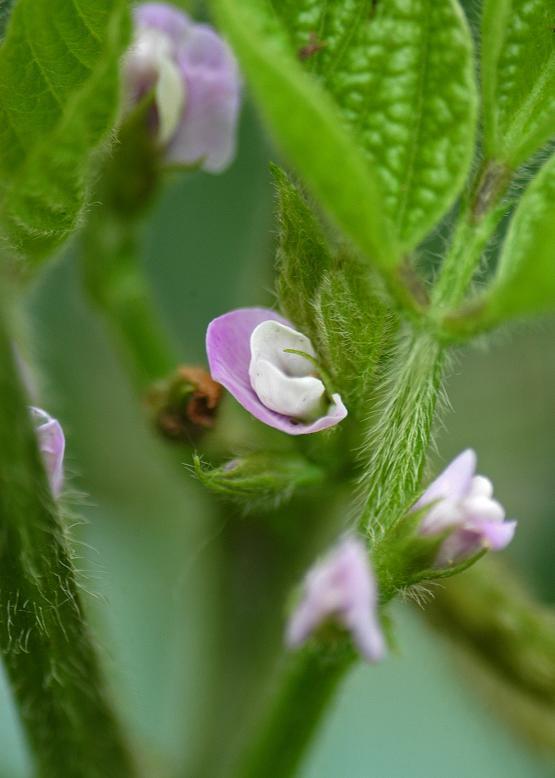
x,y
307,684
398,439
487,611
49,655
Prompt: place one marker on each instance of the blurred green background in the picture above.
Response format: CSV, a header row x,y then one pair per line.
x,y
145,551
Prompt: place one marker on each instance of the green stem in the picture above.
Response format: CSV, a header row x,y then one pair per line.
x,y
48,653
116,284
396,447
487,611
307,684
478,220
399,431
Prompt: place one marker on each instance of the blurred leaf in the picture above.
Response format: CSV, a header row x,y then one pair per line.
x,y
259,479
302,255
518,77
59,95
402,74
308,126
5,11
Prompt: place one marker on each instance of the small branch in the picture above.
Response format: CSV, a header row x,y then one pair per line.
x,y
49,655
489,612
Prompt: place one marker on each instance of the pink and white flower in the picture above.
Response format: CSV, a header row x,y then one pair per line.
x,y
462,502
249,352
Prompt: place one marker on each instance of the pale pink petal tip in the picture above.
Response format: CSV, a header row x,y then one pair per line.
x,y
229,356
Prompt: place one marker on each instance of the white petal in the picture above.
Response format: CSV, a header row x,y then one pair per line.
x,y
483,508
285,382
170,99
301,398
269,341
480,486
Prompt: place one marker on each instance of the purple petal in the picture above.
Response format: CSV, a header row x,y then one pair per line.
x,y
207,132
495,535
52,446
166,18
229,355
471,538
453,483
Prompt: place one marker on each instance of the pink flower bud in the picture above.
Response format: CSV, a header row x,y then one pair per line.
x,y
463,502
196,85
52,445
340,588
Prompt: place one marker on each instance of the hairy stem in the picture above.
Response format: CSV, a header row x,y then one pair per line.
x,y
397,442
478,220
48,653
307,684
399,431
487,611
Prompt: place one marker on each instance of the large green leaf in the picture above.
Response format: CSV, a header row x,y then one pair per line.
x,y
518,77
401,72
524,283
59,95
525,280
308,126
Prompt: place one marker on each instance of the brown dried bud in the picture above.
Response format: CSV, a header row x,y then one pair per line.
x,y
186,403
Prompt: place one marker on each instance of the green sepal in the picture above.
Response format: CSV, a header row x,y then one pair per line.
x,y
354,329
259,479
404,557
303,255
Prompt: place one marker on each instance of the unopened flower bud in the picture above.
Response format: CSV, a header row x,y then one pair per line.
x,y
463,502
340,589
195,83
185,404
52,445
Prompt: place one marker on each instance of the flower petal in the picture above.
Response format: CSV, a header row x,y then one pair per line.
x,y
161,16
228,349
453,483
52,446
341,588
207,132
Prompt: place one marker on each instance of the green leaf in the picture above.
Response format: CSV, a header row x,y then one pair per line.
x,y
525,280
302,255
524,283
5,10
518,77
259,479
401,72
59,95
308,126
